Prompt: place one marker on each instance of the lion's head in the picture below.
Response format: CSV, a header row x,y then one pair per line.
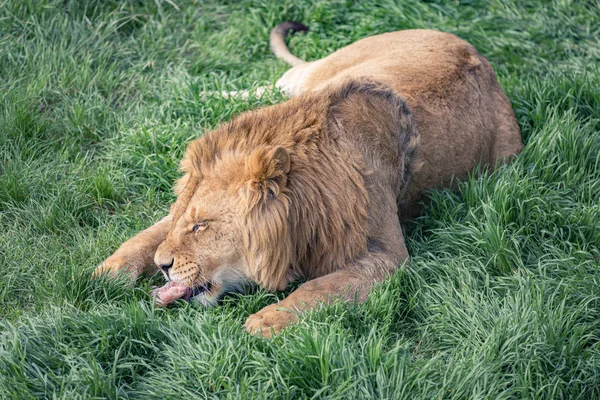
x,y
282,192
230,216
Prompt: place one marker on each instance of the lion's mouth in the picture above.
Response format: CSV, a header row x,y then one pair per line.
x,y
173,291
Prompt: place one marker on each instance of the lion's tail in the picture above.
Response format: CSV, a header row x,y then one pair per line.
x,y
277,41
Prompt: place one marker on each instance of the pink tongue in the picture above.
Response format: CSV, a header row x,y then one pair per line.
x,y
170,292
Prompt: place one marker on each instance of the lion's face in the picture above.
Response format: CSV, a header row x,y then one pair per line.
x,y
203,247
209,247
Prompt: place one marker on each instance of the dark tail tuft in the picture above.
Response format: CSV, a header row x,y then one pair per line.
x,y
277,41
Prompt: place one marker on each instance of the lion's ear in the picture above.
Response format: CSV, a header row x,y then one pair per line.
x,y
267,169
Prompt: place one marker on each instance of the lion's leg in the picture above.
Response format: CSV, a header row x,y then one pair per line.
x,y
136,255
507,137
353,282
386,251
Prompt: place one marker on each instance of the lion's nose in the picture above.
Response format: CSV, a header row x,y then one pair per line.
x,y
164,258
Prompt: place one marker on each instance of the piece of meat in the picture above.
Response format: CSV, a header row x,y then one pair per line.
x,y
170,292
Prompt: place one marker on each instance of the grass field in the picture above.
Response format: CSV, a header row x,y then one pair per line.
x,y
97,102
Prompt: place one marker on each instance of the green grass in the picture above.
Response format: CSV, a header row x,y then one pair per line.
x,y
97,103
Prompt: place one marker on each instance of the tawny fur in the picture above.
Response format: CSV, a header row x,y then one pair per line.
x,y
318,217
316,187
462,114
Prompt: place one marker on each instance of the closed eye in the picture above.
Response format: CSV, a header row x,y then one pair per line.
x,y
200,226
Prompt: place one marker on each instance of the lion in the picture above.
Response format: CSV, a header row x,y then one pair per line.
x,y
317,187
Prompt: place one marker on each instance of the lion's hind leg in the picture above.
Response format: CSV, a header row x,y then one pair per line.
x,y
507,135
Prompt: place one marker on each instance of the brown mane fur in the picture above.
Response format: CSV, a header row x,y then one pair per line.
x,y
320,219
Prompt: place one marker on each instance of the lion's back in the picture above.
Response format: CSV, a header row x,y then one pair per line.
x,y
463,117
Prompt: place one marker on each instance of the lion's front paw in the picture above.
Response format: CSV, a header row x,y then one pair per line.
x,y
270,320
114,266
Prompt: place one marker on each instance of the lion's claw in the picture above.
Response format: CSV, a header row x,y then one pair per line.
x,y
269,321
